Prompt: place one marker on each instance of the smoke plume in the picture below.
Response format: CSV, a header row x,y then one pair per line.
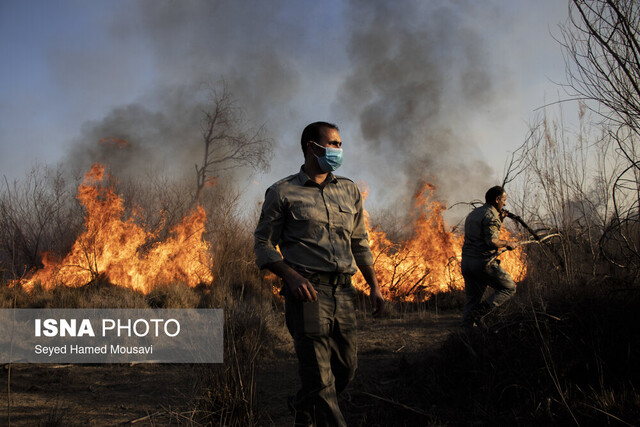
x,y
193,48
400,79
417,71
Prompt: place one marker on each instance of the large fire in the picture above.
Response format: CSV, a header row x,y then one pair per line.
x,y
429,262
122,252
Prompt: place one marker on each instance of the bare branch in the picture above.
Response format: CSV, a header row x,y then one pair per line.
x,y
229,142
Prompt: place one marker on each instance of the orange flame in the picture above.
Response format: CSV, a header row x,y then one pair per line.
x,y
515,261
428,262
116,250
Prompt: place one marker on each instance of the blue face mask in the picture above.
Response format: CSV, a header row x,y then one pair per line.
x,y
331,160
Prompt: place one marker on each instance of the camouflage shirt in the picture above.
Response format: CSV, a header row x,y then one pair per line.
x,y
481,226
317,229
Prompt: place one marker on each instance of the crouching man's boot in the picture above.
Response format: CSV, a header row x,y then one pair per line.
x,y
478,314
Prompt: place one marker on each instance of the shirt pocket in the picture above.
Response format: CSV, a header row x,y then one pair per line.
x,y
303,212
345,217
307,221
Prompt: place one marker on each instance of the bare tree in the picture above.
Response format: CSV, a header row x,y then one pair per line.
x,y
228,140
37,214
602,45
562,182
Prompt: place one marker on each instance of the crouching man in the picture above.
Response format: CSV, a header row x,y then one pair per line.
x,y
479,266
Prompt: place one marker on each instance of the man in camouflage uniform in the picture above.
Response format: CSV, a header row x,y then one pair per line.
x,y
479,266
316,219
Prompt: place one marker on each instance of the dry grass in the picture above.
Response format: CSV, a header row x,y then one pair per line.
x,y
565,351
565,358
559,354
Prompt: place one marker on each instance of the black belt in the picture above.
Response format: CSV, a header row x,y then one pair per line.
x,y
333,279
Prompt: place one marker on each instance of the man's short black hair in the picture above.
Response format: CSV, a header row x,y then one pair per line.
x,y
312,133
493,193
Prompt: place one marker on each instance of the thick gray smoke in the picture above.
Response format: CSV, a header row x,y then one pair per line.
x,y
136,139
192,47
418,71
401,80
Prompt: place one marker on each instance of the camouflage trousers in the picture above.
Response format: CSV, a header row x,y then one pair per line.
x,y
324,335
478,274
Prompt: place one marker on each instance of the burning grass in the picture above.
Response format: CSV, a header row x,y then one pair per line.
x,y
428,262
122,252
565,351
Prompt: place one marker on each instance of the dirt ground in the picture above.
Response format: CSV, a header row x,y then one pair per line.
x,y
382,345
94,395
152,394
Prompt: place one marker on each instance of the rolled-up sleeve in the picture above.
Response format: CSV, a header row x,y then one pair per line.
x,y
492,230
359,236
269,230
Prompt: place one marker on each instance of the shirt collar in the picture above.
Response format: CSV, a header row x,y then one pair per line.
x,y
304,179
492,208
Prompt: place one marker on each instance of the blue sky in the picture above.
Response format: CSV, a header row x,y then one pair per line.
x,y
419,88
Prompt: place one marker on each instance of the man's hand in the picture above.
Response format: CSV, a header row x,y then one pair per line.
x,y
377,302
301,288
499,244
